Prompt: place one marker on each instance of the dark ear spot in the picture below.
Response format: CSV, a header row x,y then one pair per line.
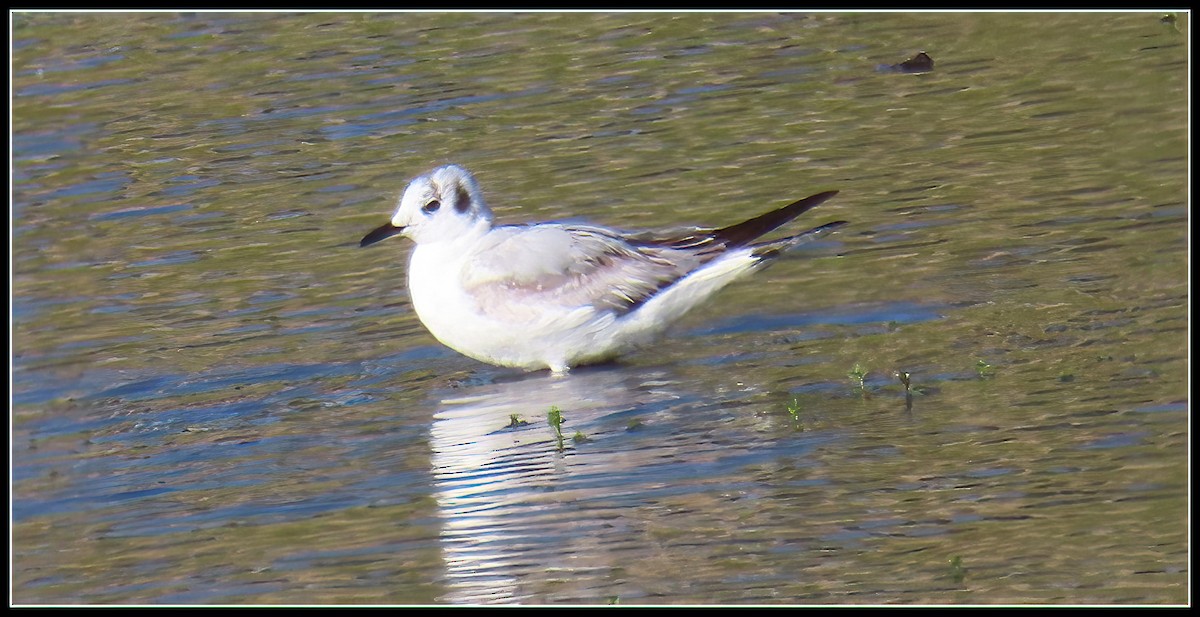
x,y
462,199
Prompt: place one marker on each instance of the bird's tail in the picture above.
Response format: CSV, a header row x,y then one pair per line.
x,y
772,249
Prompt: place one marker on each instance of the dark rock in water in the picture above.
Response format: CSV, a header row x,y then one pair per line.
x,y
919,63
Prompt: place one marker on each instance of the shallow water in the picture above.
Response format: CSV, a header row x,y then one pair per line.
x,y
218,398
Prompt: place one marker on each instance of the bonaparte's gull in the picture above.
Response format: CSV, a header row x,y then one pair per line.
x,y
557,295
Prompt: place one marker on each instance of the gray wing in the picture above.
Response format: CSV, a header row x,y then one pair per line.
x,y
521,270
569,266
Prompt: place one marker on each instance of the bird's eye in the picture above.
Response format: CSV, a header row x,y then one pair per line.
x,y
431,207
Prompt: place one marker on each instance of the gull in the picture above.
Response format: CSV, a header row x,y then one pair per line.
x,y
558,295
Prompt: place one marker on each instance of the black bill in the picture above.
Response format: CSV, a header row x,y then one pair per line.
x,y
382,232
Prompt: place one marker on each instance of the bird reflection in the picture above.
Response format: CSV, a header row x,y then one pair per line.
x,y
500,472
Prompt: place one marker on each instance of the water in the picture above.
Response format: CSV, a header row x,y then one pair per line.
x,y
218,398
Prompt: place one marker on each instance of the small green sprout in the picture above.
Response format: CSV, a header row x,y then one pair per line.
x,y
957,571
555,418
858,374
905,379
515,420
983,369
579,437
793,409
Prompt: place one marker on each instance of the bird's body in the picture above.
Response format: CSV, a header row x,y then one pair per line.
x,y
555,295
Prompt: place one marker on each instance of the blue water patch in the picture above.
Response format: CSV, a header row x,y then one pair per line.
x,y
1116,441
900,313
18,44
1178,406
990,473
39,145
83,63
139,493
111,309
28,306
53,426
141,389
170,259
177,385
104,183
139,211
261,297
285,114
353,130
337,188
190,467
391,79
704,89
726,358
51,89
151,426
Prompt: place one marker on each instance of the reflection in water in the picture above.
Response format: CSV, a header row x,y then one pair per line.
x,y
1040,210
496,479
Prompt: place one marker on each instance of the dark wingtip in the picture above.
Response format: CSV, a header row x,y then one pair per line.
x,y
382,232
744,232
